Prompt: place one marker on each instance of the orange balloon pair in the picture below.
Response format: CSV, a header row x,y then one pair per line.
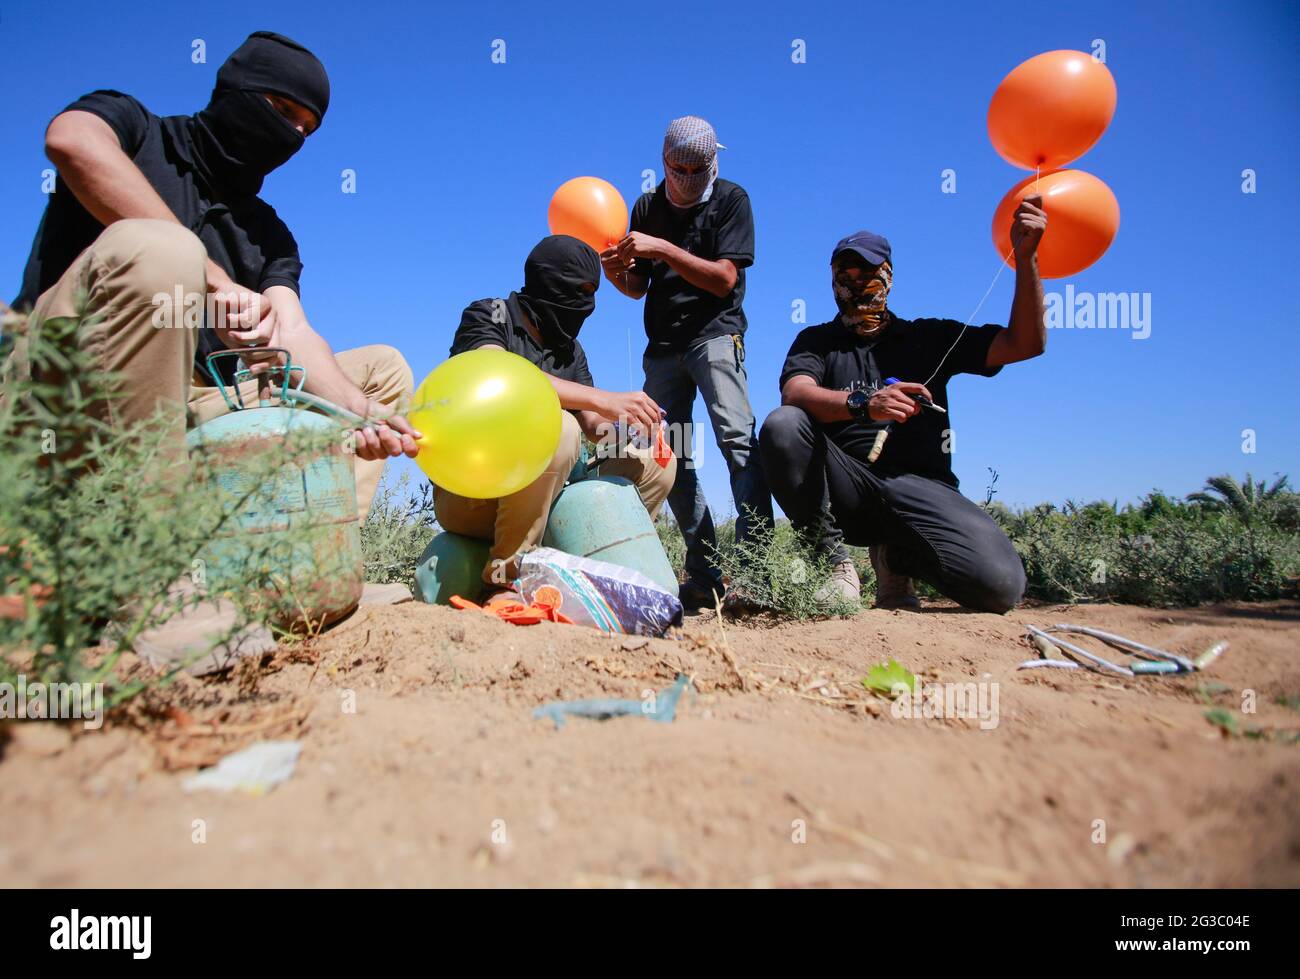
x,y
1046,113
589,209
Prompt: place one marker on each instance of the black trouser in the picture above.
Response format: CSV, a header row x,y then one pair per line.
x,y
930,530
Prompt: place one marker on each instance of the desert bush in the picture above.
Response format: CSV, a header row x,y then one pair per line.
x,y
1160,552
397,530
670,536
99,525
778,570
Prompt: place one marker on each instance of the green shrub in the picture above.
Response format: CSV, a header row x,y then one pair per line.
x,y
670,536
777,570
397,530
101,525
1161,552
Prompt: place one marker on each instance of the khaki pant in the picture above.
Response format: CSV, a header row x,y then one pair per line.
x,y
517,522
117,278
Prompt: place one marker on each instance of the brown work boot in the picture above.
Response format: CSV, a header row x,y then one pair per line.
x,y
893,590
843,586
198,638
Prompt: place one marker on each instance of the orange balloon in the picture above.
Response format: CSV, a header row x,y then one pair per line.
x,y
1082,218
589,209
1051,109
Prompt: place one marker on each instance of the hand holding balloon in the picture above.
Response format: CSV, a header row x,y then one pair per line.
x,y
1028,227
638,244
1084,218
393,436
613,263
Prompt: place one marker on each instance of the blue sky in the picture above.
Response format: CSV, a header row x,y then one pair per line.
x,y
456,159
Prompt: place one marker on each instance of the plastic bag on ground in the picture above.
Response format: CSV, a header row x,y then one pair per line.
x,y
605,596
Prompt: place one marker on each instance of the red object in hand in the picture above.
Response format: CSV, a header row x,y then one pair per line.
x,y
663,455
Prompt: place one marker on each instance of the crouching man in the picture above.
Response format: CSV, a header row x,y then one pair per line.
x,y
853,456
540,323
156,231
149,209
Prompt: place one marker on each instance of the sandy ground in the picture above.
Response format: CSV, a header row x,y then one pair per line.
x,y
783,771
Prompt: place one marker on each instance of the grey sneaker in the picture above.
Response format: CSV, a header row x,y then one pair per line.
x,y
842,586
893,590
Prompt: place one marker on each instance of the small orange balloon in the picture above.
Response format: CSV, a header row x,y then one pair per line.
x,y
1082,218
589,209
1051,109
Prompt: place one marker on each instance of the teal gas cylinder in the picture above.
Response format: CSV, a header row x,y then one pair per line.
x,y
292,534
602,517
451,565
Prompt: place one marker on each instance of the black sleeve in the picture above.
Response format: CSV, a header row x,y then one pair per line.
x,y
806,356
480,327
971,353
127,117
283,266
735,232
581,371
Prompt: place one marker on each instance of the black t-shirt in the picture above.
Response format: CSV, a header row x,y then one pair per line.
x,y
501,321
837,357
677,314
243,235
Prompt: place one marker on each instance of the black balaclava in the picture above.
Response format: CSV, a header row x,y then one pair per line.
x,y
240,137
553,295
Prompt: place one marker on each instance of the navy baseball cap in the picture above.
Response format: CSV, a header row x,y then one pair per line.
x,y
872,247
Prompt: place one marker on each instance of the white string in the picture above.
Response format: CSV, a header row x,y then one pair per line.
x,y
971,317
1038,176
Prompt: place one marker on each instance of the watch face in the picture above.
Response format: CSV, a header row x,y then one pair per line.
x,y
857,400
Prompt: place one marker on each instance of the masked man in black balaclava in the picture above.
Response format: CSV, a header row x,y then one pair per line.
x,y
540,323
156,228
156,220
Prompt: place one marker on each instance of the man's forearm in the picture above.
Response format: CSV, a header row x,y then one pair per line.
x,y
1027,326
823,404
718,278
324,376
577,397
104,180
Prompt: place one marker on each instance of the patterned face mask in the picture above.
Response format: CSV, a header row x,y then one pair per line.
x,y
863,297
690,142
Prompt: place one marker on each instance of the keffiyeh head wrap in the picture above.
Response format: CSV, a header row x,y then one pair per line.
x,y
690,142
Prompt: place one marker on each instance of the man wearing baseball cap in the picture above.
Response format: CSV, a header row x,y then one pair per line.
x,y
860,450
686,252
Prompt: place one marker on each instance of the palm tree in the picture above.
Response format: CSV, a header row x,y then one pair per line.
x,y
1224,493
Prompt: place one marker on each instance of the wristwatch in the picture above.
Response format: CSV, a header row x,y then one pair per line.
x,y
857,404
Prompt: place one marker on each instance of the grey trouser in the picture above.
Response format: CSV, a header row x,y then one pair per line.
x,y
716,369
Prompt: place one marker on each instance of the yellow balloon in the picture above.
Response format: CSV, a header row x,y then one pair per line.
x,y
490,423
